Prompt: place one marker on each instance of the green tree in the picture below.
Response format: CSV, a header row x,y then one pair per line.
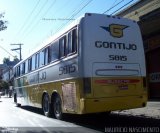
x,y
6,60
4,85
3,23
16,59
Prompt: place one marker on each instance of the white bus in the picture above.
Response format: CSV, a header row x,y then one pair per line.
x,y
96,64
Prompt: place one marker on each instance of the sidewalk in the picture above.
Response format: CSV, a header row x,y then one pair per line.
x,y
152,110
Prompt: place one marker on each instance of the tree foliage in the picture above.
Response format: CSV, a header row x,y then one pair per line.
x,y
16,59
3,23
6,60
4,84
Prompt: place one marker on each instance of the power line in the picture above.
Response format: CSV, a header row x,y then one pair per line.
x,y
28,17
6,51
73,15
36,24
52,4
64,5
74,11
114,3
56,10
122,7
113,6
81,9
34,19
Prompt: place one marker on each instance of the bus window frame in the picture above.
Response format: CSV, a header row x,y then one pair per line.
x,y
40,54
46,56
64,47
37,60
18,71
26,66
22,68
76,40
33,64
76,49
56,43
29,64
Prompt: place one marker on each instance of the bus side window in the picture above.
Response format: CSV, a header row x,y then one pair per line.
x,y
74,40
62,47
46,56
37,60
26,66
29,64
15,71
22,68
69,42
41,59
18,71
33,62
49,54
54,51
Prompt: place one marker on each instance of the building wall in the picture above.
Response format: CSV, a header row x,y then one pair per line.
x,y
147,13
154,73
139,9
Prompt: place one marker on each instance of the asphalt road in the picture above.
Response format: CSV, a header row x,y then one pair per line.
x,y
30,119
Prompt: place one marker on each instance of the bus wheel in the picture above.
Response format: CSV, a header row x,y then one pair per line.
x,y
18,104
46,105
57,107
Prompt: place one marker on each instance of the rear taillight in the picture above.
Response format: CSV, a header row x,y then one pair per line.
x,y
87,85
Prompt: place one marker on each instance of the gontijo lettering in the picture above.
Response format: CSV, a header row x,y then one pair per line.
x,y
115,45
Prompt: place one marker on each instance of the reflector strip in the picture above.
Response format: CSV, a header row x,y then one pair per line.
x,y
117,81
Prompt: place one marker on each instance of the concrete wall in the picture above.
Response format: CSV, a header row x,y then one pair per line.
x,y
139,9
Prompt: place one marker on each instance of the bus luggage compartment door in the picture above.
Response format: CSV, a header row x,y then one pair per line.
x,y
116,79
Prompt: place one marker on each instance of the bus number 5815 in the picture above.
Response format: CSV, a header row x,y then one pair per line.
x,y
117,58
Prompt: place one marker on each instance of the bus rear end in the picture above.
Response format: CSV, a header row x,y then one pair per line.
x,y
113,64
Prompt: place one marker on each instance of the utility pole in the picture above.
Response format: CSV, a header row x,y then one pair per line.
x,y
20,48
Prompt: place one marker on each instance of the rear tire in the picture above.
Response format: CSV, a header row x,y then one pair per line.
x,y
57,107
46,105
18,105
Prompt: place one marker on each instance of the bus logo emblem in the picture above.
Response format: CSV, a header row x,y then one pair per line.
x,y
115,30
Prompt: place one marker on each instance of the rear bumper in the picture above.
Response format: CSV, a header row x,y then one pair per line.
x,y
112,104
